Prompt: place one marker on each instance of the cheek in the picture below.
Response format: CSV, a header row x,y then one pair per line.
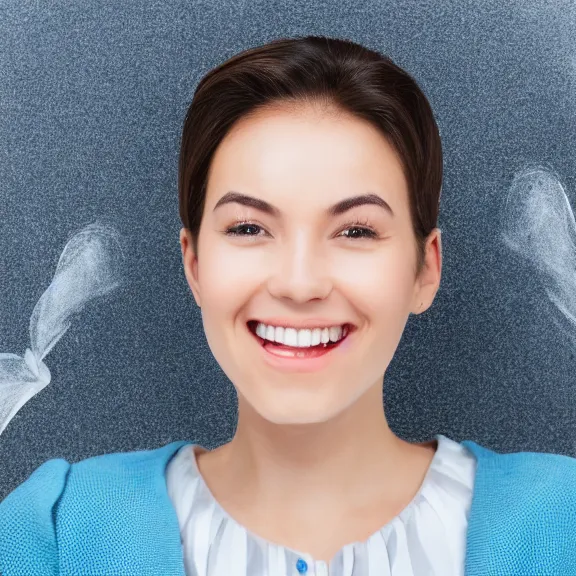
x,y
226,280
218,283
381,292
381,284
224,277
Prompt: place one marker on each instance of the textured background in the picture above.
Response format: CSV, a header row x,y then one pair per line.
x,y
92,100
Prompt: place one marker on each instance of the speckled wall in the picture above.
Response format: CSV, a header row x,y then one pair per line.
x,y
92,100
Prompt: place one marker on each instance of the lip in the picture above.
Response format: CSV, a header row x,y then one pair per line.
x,y
313,364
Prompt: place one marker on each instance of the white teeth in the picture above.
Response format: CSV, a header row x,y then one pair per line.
x,y
300,338
278,334
316,336
261,330
304,338
335,333
290,337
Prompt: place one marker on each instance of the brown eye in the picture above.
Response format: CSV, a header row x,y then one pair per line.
x,y
360,229
359,232
240,229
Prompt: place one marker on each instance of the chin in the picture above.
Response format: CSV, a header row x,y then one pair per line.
x,y
298,411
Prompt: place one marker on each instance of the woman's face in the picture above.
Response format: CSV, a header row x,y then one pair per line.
x,y
299,264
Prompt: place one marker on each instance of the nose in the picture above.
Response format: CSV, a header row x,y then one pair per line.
x,y
300,273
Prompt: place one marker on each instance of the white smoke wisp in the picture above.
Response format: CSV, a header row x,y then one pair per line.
x,y
89,267
538,224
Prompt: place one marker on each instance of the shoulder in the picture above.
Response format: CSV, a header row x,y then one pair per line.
x,y
523,514
541,470
101,482
27,536
527,485
37,493
546,480
30,513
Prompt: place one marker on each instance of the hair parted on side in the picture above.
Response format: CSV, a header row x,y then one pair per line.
x,y
338,75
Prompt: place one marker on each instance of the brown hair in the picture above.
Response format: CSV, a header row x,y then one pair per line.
x,y
336,73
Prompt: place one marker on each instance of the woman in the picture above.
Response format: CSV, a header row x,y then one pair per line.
x,y
310,176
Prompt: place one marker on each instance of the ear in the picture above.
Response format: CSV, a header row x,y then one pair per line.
x,y
428,282
190,263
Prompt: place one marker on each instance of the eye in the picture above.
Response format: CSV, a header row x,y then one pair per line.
x,y
239,228
363,233
359,230
364,229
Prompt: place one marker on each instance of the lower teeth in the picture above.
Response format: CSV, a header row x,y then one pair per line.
x,y
302,348
302,352
306,347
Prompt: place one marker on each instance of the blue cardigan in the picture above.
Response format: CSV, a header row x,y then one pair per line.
x,y
110,515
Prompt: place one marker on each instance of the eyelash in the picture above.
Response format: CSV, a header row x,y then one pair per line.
x,y
363,225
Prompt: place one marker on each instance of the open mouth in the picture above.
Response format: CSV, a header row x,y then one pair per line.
x,y
347,329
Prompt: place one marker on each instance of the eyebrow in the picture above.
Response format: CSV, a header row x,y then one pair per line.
x,y
334,210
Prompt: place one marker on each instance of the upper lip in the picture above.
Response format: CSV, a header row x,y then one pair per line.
x,y
301,324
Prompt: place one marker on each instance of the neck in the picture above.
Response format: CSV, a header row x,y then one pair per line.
x,y
351,460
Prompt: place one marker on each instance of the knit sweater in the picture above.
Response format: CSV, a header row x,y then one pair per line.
x,y
111,515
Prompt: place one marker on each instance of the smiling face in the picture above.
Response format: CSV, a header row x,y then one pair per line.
x,y
299,260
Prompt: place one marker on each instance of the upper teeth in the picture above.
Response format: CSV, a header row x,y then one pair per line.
x,y
300,338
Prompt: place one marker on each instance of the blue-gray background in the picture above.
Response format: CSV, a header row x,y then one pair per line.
x,y
92,100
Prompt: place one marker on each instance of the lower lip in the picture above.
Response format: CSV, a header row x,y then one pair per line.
x,y
316,358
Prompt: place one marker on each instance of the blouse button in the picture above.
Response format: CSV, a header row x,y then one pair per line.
x,y
301,566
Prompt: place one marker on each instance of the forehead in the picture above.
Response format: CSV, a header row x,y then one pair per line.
x,y
277,152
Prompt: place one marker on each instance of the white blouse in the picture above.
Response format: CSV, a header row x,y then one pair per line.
x,y
428,538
